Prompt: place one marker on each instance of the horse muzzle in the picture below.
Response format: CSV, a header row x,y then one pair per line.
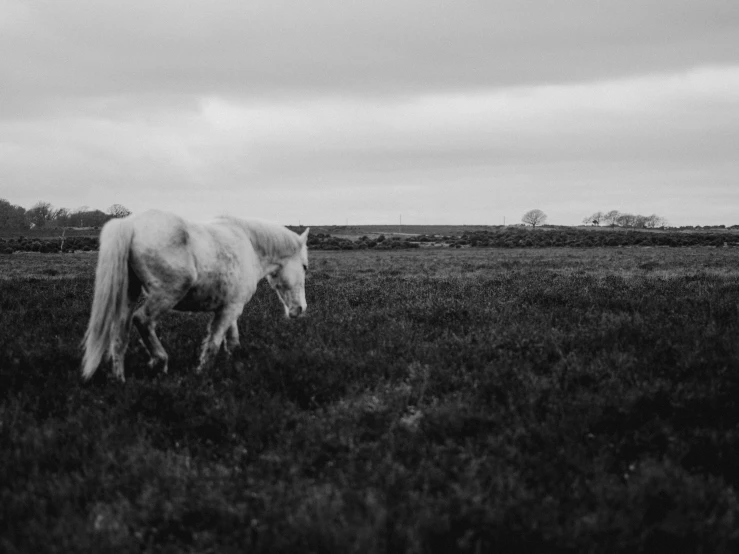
x,y
296,311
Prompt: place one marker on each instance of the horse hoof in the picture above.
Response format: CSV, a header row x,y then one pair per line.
x,y
156,363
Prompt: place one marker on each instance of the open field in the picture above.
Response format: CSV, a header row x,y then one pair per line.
x,y
354,231
471,400
457,230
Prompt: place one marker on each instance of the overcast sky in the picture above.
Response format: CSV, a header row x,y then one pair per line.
x,y
455,112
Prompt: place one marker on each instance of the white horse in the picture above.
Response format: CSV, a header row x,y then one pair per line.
x,y
186,266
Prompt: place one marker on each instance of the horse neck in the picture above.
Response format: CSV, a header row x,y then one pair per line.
x,y
271,243
267,263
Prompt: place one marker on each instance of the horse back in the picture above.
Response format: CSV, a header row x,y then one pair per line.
x,y
207,264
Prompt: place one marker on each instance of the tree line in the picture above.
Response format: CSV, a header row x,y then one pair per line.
x,y
614,218
43,214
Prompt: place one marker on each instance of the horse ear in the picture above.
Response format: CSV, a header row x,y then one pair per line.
x,y
304,235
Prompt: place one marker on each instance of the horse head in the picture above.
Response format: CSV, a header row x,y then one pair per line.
x,y
287,278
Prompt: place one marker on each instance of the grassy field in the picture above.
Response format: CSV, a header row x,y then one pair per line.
x,y
354,231
472,400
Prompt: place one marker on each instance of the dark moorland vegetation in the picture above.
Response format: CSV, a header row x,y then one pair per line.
x,y
520,237
48,245
497,237
432,401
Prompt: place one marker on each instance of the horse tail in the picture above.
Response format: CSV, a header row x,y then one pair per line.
x,y
110,300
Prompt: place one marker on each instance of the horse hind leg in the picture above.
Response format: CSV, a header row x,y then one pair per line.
x,y
145,319
120,345
120,340
166,269
146,326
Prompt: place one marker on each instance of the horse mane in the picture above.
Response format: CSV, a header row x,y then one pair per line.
x,y
270,240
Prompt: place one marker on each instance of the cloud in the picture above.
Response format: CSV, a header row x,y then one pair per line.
x,y
449,112
524,143
91,48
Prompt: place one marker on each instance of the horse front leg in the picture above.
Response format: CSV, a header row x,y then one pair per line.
x,y
223,321
232,338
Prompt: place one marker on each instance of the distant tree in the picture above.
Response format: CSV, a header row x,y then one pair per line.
x,y
40,214
653,221
77,216
85,217
12,216
61,217
534,218
610,217
640,221
116,210
626,220
95,218
594,219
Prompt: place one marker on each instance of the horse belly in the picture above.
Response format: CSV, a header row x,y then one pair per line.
x,y
204,298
